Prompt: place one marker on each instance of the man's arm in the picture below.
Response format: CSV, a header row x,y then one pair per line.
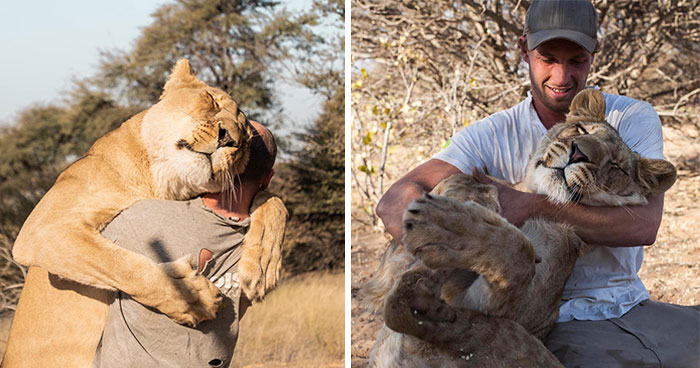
x,y
411,186
610,226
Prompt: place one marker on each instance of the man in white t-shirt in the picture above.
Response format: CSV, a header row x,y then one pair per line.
x,y
605,315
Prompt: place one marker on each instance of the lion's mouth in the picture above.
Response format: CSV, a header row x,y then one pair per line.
x,y
183,144
558,175
575,192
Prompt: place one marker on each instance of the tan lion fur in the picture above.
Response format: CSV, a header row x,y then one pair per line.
x,y
465,288
194,140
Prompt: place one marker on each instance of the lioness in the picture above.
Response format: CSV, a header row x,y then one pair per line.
x,y
194,140
468,288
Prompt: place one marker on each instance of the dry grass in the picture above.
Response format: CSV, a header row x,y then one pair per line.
x,y
301,324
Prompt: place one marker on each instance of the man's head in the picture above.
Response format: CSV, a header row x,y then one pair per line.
x,y
559,43
263,151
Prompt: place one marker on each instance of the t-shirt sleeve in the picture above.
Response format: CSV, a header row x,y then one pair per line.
x,y
465,150
640,129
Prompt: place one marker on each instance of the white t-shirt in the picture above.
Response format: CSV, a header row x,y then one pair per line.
x,y
604,283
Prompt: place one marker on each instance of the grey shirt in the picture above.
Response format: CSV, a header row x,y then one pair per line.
x,y
139,336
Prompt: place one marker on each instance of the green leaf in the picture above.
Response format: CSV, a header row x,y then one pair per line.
x,y
366,170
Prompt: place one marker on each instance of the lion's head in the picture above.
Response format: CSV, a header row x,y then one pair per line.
x,y
198,137
584,160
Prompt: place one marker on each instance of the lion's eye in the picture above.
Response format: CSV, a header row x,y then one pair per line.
x,y
618,167
580,129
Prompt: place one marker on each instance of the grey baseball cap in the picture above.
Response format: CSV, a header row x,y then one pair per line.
x,y
573,20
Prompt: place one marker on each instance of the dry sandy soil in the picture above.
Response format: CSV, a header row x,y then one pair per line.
x,y
670,266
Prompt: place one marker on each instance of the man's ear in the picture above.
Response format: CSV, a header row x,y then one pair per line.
x,y
266,181
522,41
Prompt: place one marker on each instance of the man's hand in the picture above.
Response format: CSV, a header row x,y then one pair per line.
x,y
411,186
516,206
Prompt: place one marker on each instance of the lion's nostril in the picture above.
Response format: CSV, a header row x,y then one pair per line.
x,y
225,139
576,155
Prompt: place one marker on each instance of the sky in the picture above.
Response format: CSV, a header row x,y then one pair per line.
x,y
46,43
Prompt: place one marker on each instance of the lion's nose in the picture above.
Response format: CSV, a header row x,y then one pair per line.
x,y
576,155
225,139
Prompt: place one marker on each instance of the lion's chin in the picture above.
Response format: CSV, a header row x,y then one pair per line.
x,y
182,174
551,183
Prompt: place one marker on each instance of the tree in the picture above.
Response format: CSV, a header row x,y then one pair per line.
x,y
314,193
321,69
233,45
312,182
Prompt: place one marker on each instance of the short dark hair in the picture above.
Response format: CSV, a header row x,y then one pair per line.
x,y
263,152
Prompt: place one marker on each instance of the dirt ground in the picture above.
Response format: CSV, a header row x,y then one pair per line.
x,y
670,266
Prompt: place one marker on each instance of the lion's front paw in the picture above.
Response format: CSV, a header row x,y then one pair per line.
x,y
252,278
261,259
444,232
414,306
186,296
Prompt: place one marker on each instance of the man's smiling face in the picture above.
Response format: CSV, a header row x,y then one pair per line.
x,y
558,71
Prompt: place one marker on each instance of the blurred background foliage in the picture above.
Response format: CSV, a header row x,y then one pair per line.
x,y
243,47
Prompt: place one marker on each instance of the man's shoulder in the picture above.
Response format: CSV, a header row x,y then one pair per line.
x,y
519,121
517,111
615,102
622,110
164,204
508,117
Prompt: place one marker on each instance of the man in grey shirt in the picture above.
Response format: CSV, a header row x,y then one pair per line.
x,y
209,229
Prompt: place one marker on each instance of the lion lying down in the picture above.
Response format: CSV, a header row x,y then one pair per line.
x,y
194,140
466,289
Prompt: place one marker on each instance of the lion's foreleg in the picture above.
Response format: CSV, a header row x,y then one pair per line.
x,y
395,261
261,258
414,308
63,237
446,233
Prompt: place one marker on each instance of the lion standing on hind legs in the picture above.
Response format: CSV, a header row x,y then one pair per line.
x,y
469,289
194,140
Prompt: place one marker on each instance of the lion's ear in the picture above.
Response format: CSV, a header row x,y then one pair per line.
x,y
656,175
182,76
588,104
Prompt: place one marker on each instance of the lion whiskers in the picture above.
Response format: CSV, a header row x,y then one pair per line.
x,y
602,188
230,192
